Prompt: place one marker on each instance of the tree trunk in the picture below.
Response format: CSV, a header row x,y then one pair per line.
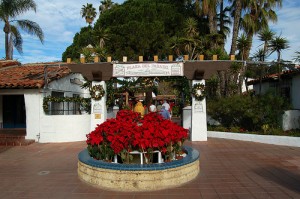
x,y
222,22
236,23
211,23
148,98
260,79
241,80
221,75
247,50
279,73
6,30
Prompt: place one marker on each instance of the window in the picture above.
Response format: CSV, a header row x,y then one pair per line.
x,y
57,108
65,107
76,106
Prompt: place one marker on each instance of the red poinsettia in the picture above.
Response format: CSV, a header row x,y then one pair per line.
x,y
128,131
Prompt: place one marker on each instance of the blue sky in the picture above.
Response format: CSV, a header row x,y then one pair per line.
x,y
61,20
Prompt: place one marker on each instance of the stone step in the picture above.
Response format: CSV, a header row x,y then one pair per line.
x,y
14,140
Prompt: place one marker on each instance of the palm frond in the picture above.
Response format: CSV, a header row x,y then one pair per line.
x,y
31,28
17,39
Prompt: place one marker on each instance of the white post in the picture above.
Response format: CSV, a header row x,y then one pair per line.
x,y
199,123
98,108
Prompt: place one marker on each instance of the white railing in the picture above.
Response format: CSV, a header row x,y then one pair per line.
x,y
160,160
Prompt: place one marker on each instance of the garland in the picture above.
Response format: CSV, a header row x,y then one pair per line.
x,y
97,92
198,91
84,102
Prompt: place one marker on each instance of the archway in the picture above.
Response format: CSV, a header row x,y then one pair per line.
x,y
197,71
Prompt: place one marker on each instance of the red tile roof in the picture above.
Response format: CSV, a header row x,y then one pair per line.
x,y
30,76
275,75
6,63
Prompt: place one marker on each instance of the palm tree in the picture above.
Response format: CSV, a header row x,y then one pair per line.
x,y
297,57
102,35
243,43
175,43
224,22
191,41
259,55
258,17
88,12
237,12
9,10
278,44
190,27
209,9
265,35
105,5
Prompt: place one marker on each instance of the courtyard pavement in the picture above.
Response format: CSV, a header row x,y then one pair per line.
x,y
228,169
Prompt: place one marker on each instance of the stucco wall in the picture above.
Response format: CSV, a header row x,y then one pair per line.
x,y
291,120
296,92
53,128
64,128
64,84
264,87
33,105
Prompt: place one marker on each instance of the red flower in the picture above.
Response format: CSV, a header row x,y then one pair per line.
x,y
130,132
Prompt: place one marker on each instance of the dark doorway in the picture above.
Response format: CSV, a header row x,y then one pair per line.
x,y
14,113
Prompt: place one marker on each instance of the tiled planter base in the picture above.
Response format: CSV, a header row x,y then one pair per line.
x,y
135,177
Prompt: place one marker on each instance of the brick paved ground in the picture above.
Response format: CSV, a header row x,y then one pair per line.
x,y
229,169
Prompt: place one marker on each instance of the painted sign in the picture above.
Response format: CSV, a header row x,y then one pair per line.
x,y
198,107
97,108
148,69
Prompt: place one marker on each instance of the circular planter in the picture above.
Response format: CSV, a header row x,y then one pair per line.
x,y
136,177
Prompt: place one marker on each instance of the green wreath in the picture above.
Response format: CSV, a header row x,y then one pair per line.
x,y
97,92
198,91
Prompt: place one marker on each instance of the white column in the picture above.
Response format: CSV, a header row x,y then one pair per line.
x,y
199,124
98,108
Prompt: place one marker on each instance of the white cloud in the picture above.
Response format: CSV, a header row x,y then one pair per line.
x,y
288,27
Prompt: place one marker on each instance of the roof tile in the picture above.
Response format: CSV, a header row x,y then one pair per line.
x,y
30,76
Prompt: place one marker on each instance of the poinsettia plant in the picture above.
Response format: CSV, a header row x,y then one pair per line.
x,y
129,132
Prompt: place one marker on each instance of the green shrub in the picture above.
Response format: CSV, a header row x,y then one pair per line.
x,y
176,110
247,112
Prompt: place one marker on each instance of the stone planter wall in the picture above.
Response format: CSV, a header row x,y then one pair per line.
x,y
136,177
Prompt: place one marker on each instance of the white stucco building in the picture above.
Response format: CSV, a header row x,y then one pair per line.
x,y
22,91
289,88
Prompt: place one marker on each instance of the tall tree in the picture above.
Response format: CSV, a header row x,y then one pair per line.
x,y
224,22
265,35
142,28
259,14
102,35
297,56
278,44
105,5
236,12
9,10
88,12
192,44
260,55
242,44
208,8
